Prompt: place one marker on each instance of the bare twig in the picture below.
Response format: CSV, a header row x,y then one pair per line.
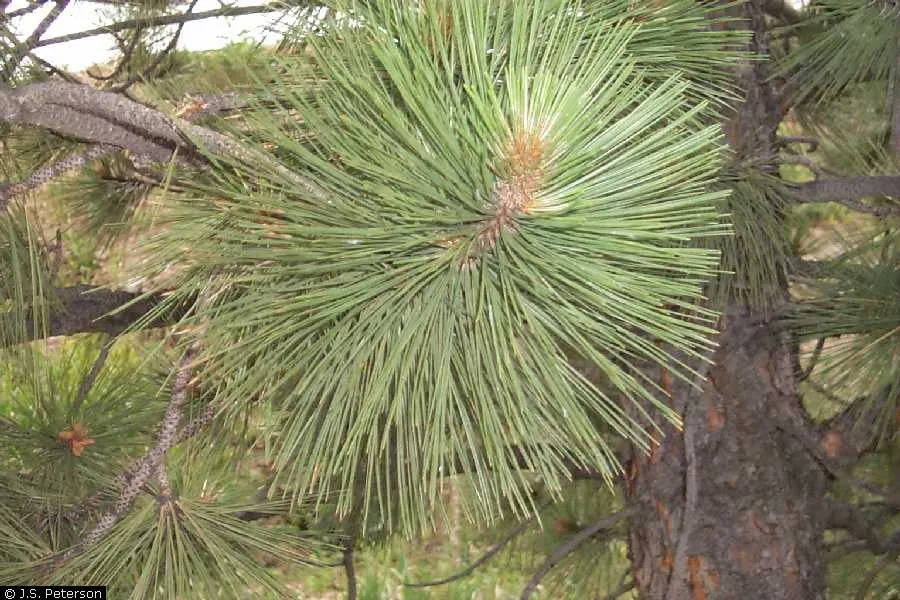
x,y
127,51
32,41
155,21
349,570
30,7
35,58
795,159
565,549
148,72
817,352
678,576
869,579
52,69
812,144
88,382
894,99
626,584
494,550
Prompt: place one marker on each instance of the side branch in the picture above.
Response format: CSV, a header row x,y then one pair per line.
x,y
848,191
511,535
150,463
84,309
51,172
857,430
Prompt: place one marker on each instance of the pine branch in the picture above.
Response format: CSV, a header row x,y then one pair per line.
x,y
188,431
565,549
216,103
101,117
196,424
150,464
848,191
155,21
85,309
94,116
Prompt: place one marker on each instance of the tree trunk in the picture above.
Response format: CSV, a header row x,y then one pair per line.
x,y
732,506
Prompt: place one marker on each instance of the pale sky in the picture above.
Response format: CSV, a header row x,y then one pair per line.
x,y
80,15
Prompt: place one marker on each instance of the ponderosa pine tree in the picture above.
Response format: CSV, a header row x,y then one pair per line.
x,y
553,250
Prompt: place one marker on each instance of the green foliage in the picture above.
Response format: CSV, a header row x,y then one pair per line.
x,y
55,483
495,189
25,290
853,41
102,201
148,552
42,405
855,301
754,257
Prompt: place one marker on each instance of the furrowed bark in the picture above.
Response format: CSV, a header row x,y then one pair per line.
x,y
731,507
